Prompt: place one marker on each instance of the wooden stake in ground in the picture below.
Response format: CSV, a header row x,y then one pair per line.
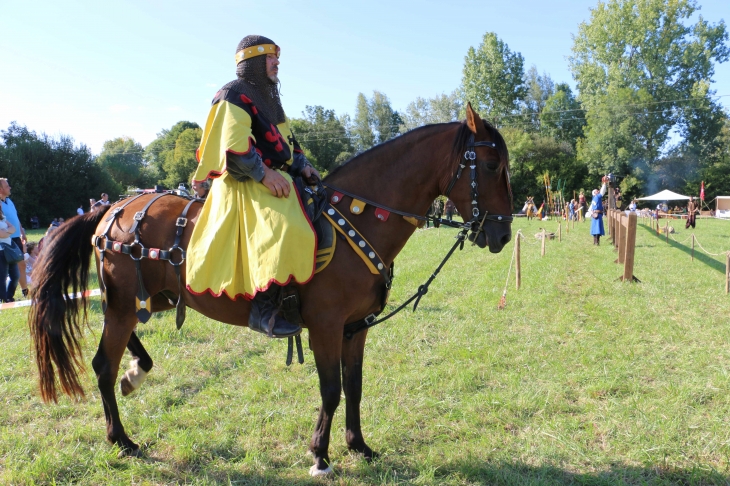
x,y
727,273
542,251
518,267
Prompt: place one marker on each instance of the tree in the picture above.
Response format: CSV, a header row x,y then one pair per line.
x,y
362,125
562,116
493,79
123,159
375,121
323,137
440,109
181,163
50,177
538,89
637,64
162,150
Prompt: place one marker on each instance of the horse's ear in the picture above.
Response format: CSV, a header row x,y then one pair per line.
x,y
472,119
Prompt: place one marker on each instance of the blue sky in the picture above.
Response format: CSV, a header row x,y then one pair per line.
x,y
100,70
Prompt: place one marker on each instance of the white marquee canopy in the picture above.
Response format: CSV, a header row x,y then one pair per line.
x,y
665,195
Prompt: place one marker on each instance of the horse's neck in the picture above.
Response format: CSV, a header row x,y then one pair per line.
x,y
406,179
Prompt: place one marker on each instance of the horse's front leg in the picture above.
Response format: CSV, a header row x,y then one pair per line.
x,y
326,346
353,351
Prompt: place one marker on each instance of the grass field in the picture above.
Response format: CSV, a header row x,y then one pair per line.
x,y
582,379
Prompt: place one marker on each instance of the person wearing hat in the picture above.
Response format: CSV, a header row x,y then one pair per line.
x,y
597,213
252,236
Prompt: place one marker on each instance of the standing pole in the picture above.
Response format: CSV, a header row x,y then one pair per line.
x,y
727,273
542,251
518,266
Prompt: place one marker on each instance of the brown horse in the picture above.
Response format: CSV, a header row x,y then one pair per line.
x,y
406,173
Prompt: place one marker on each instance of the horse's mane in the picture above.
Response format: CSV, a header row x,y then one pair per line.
x,y
393,142
457,150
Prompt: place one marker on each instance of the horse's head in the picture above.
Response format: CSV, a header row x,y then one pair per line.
x,y
480,185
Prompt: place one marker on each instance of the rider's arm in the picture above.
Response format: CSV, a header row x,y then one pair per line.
x,y
244,166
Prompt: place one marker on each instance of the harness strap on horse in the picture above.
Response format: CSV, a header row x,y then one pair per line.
x,y
142,303
98,243
180,224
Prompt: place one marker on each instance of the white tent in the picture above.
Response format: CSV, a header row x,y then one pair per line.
x,y
722,207
664,195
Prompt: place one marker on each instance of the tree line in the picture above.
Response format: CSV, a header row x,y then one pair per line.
x,y
643,110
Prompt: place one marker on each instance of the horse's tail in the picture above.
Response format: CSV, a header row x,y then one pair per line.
x,y
54,320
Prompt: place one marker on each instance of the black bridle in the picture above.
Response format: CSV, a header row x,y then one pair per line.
x,y
475,225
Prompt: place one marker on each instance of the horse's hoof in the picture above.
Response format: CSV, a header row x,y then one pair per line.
x,y
314,472
130,453
126,386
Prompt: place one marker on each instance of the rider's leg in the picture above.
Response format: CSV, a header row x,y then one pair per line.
x,y
266,316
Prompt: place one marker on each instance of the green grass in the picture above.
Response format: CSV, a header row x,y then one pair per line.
x,y
582,379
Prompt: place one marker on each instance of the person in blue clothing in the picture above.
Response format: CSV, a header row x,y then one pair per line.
x,y
18,236
597,214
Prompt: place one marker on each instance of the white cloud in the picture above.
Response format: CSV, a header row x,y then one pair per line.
x,y
118,108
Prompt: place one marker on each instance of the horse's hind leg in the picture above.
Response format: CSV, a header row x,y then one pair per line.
x,y
140,365
115,336
353,351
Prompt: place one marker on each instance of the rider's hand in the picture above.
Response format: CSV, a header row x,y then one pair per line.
x,y
310,174
275,182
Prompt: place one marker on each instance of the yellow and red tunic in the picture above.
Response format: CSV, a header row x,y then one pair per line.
x,y
246,238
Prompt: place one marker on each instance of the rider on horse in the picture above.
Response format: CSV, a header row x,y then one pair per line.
x,y
252,236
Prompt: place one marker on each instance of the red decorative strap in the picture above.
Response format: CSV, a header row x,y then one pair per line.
x,y
336,197
382,214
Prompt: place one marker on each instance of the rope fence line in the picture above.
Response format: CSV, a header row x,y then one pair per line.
x,y
28,303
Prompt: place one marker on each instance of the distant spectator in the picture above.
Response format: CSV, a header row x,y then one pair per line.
x,y
61,221
54,223
104,201
80,210
449,208
200,188
691,213
34,224
92,203
7,269
18,238
32,250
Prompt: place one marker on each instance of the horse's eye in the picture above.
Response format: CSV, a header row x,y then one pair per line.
x,y
492,166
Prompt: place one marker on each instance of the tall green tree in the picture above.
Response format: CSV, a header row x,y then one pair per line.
x,y
180,164
562,116
493,79
164,148
362,131
50,177
323,137
123,159
637,62
538,89
375,121
440,109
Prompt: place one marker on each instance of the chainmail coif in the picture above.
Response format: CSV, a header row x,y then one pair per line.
x,y
253,82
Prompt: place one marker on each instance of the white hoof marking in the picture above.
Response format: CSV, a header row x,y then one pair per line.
x,y
314,472
135,375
